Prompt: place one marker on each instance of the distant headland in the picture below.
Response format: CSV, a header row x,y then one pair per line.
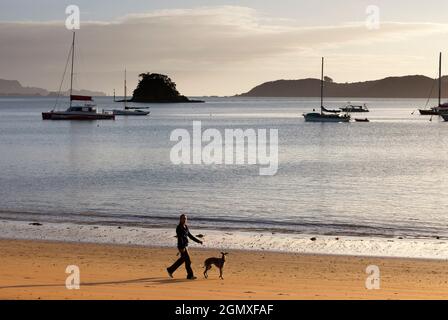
x,y
14,88
414,86
158,88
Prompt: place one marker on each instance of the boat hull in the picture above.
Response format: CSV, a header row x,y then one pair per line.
x,y
428,112
76,116
317,117
351,110
130,113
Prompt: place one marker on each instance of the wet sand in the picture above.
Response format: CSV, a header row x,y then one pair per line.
x,y
36,270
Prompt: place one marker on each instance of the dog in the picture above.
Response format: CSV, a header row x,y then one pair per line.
x,y
218,262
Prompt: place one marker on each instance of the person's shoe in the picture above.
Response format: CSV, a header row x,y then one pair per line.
x,y
192,278
169,273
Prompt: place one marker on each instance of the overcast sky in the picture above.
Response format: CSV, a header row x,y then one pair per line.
x,y
219,47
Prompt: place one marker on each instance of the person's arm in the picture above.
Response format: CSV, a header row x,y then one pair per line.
x,y
192,237
178,232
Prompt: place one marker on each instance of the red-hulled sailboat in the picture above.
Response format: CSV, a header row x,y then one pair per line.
x,y
85,111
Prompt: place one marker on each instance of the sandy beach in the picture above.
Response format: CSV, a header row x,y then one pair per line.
x,y
36,270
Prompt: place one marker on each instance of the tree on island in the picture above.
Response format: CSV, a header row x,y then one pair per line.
x,y
155,87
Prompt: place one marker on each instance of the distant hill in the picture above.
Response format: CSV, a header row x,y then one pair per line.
x,y
14,88
416,86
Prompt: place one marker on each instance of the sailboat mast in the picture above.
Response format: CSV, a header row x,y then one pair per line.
x,y
322,86
440,78
71,73
125,93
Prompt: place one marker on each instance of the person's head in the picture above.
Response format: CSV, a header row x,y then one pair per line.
x,y
183,219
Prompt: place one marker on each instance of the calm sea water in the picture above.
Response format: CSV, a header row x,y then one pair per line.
x,y
383,178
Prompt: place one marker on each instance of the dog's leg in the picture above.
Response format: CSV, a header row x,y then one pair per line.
x,y
208,267
220,273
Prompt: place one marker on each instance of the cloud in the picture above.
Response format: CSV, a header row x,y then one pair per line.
x,y
191,45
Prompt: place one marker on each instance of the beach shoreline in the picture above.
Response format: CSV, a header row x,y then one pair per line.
x,y
263,241
37,270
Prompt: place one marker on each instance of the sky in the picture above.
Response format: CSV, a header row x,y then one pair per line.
x,y
220,47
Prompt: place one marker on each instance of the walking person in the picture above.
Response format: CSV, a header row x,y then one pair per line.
x,y
182,243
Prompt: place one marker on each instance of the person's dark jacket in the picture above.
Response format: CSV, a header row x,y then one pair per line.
x,y
182,236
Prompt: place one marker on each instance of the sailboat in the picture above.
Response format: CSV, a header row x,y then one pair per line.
x,y
87,111
322,116
441,107
128,111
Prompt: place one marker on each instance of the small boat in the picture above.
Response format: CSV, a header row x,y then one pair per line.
x,y
125,112
352,108
362,120
81,112
322,116
128,111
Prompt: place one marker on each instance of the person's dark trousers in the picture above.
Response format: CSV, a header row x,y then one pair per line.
x,y
184,257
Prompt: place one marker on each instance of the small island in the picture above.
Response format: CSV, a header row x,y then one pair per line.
x,y
158,88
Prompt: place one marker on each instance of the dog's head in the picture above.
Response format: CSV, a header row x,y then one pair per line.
x,y
224,253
